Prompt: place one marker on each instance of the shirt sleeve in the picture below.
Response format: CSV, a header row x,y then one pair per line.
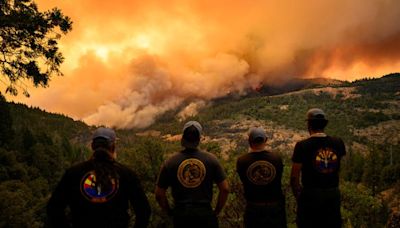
x,y
297,154
58,203
163,179
343,148
281,164
139,202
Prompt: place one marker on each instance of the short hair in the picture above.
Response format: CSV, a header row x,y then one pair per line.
x,y
191,134
102,143
257,141
317,124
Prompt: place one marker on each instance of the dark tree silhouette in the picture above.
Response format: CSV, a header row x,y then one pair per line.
x,y
29,44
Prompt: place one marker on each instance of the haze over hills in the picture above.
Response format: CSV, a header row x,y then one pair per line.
x,y
36,147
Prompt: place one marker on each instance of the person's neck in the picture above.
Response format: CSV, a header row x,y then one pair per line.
x,y
317,133
257,149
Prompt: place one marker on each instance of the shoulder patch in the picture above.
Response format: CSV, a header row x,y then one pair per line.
x,y
94,193
326,161
191,173
261,172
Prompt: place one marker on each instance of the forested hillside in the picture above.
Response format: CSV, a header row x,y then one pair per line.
x,y
36,147
365,113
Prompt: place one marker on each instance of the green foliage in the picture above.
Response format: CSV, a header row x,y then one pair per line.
x,y
373,168
43,145
360,208
379,86
29,43
352,167
390,175
32,161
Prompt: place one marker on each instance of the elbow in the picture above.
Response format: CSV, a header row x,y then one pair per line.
x,y
224,188
160,194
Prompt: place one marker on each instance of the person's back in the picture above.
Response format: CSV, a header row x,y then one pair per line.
x,y
317,161
320,157
98,192
191,174
261,172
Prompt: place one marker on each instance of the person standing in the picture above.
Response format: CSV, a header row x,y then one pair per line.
x,y
261,172
317,161
191,174
99,191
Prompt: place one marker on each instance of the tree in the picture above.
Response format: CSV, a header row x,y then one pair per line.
x,y
29,44
6,132
372,169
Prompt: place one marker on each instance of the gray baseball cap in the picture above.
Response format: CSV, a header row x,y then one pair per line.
x,y
315,114
255,133
195,124
106,133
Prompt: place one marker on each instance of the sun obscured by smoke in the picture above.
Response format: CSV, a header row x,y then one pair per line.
x,y
128,62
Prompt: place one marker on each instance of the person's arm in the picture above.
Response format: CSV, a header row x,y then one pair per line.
x,y
57,205
223,187
295,179
161,197
163,182
140,204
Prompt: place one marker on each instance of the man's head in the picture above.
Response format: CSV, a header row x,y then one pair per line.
x,y
104,139
316,120
257,138
191,134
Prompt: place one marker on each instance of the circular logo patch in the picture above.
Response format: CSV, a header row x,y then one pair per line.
x,y
191,173
326,161
261,173
95,193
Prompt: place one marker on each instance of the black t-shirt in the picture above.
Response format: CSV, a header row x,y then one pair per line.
x,y
261,174
320,158
92,206
191,174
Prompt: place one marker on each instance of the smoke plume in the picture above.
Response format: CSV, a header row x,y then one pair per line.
x,y
128,62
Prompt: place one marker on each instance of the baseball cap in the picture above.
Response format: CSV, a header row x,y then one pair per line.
x,y
195,124
257,133
106,133
191,134
315,114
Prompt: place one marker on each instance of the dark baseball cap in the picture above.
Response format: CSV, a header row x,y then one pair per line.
x,y
257,134
106,133
315,114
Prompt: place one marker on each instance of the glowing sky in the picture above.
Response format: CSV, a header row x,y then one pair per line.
x,y
128,61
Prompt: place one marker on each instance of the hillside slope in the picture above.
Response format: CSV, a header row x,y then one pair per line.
x,y
36,147
365,113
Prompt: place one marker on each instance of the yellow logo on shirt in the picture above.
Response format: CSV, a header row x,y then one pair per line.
x,y
326,161
94,192
261,173
191,173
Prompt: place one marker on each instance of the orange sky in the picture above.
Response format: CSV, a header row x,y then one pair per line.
x,y
128,61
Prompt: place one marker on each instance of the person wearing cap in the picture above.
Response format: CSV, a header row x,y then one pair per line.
x,y
317,161
99,191
191,174
260,171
